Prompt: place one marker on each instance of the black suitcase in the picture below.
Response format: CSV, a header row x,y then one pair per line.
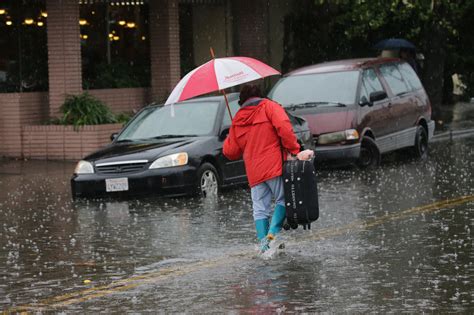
x,y
301,193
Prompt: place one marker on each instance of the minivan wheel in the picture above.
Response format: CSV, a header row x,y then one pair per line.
x,y
369,154
208,180
420,148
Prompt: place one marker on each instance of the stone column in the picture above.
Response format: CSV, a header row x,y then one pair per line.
x,y
164,48
64,52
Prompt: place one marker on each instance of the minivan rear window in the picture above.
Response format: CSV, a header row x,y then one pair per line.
x,y
336,87
394,79
410,76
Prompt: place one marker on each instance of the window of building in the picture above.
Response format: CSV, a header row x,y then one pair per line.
x,y
115,44
23,46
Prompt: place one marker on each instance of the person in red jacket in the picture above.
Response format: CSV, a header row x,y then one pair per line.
x,y
262,133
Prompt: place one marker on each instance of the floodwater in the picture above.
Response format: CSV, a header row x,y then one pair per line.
x,y
383,243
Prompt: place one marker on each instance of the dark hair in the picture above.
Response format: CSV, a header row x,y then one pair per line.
x,y
249,91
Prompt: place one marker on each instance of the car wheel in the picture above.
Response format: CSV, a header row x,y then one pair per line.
x,y
208,180
421,144
369,154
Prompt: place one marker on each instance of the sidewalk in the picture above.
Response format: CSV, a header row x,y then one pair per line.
x,y
458,122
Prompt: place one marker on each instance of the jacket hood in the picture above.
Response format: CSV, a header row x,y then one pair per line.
x,y
250,114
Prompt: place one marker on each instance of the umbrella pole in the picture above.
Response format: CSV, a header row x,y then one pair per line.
x,y
213,56
227,104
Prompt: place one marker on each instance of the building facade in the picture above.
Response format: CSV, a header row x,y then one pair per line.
x,y
126,53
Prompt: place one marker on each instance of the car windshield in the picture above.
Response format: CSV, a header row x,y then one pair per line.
x,y
330,88
179,120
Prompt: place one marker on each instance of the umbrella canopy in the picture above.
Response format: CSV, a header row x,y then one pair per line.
x,y
394,43
219,74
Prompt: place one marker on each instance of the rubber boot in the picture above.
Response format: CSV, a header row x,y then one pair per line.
x,y
261,226
278,218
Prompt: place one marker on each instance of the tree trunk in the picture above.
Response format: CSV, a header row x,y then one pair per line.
x,y
433,72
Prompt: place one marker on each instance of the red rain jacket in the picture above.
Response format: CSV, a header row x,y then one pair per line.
x,y
257,133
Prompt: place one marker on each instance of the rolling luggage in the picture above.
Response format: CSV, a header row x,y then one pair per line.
x,y
301,194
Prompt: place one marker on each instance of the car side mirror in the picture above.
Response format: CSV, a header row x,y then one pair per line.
x,y
113,136
224,134
364,101
377,96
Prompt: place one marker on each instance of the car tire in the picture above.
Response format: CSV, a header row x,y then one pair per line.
x,y
369,154
420,149
208,180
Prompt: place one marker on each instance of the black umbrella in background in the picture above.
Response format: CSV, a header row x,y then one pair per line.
x,y
394,43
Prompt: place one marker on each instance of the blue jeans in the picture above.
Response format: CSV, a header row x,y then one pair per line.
x,y
262,195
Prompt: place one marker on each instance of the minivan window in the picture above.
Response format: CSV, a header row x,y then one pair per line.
x,y
394,79
370,84
410,76
336,87
194,118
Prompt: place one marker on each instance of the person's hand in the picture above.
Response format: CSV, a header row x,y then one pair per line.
x,y
290,157
305,155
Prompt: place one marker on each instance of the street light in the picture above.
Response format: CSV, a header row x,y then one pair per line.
x,y
8,23
29,21
82,22
2,11
40,23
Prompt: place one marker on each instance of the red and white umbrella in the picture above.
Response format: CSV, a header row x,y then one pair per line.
x,y
217,75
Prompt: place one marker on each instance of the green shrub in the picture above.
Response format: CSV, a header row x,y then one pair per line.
x,y
123,118
84,109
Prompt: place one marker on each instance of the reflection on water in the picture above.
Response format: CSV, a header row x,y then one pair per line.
x,y
49,245
457,116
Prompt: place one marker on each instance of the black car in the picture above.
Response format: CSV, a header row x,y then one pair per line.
x,y
169,150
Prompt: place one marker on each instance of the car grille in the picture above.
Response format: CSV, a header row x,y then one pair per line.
x,y
120,168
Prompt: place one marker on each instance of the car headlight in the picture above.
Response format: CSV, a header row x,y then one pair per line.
x,y
339,136
177,159
84,167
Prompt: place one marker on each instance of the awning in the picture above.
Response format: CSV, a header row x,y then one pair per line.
x,y
140,2
115,2
202,1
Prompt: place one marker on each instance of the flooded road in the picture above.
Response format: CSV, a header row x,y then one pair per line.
x,y
398,239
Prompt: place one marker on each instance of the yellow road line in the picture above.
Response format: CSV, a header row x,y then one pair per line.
x,y
162,274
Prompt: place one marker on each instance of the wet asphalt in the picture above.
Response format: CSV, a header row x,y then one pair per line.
x,y
396,239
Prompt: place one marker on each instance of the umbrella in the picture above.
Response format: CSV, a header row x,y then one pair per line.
x,y
394,43
217,75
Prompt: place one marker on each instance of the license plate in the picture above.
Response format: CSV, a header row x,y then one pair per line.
x,y
116,184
